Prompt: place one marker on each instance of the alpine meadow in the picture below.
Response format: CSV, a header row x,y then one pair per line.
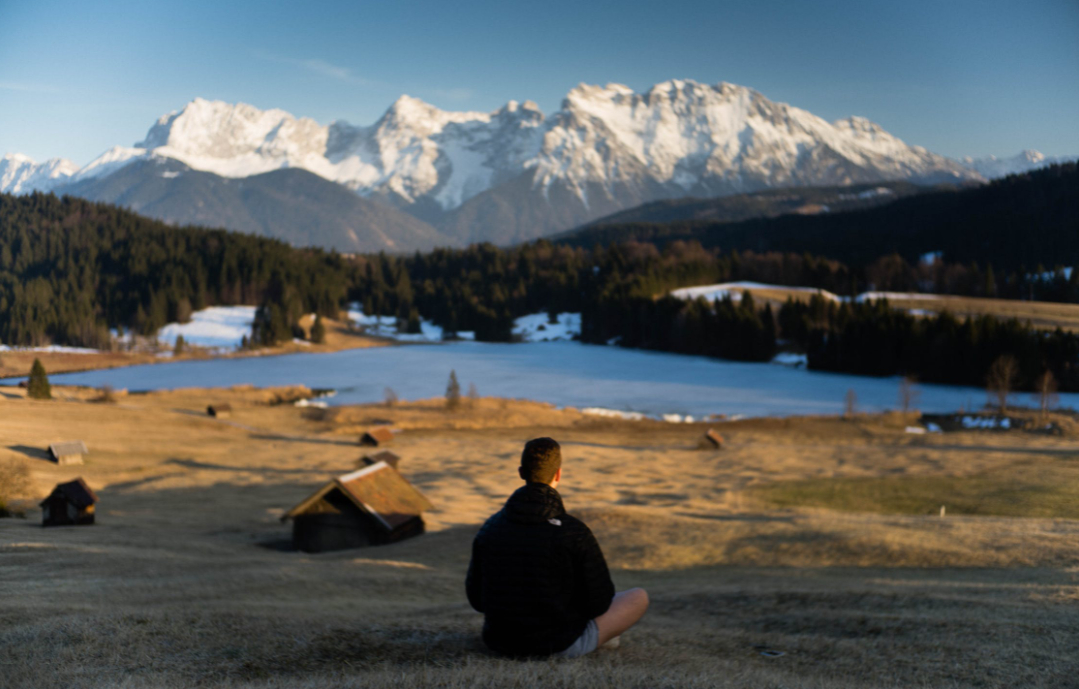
x,y
576,346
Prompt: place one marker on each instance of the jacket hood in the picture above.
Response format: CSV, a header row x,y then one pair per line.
x,y
534,503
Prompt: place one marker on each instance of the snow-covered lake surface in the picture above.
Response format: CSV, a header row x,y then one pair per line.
x,y
563,373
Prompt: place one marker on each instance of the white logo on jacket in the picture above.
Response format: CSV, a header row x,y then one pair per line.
x,y
554,521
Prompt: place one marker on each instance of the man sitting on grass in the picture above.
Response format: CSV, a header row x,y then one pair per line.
x,y
539,576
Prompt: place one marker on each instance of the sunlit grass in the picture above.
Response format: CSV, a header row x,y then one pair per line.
x,y
1039,489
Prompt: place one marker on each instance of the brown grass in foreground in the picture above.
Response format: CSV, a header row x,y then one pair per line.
x,y
187,580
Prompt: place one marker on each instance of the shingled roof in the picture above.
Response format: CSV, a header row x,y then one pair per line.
x,y
76,492
378,490
68,449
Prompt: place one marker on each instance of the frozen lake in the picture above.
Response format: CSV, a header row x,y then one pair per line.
x,y
563,373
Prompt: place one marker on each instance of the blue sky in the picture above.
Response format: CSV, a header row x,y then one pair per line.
x,y
958,77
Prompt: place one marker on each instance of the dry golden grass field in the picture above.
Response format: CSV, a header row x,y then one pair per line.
x,y
188,580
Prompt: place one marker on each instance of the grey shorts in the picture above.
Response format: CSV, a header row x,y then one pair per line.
x,y
587,642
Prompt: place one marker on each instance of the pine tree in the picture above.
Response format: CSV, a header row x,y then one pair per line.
x,y
318,331
178,348
453,392
38,388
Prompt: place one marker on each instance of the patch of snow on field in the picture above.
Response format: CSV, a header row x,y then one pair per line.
x,y
216,327
893,296
791,359
536,328
734,291
614,413
677,418
986,422
386,326
53,349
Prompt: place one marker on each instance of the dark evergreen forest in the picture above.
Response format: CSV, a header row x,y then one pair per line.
x,y
1013,227
71,270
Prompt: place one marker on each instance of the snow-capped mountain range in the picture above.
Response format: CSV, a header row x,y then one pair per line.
x,y
516,173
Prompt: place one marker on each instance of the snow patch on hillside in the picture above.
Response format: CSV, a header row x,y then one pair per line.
x,y
537,327
734,291
386,326
216,327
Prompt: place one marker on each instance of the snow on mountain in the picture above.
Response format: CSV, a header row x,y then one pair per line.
x,y
20,174
681,135
992,167
516,173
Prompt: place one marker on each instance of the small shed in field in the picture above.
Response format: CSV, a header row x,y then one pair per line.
x,y
372,506
70,503
219,411
376,437
69,452
710,441
384,456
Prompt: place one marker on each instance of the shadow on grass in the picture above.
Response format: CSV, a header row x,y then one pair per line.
x,y
299,439
31,452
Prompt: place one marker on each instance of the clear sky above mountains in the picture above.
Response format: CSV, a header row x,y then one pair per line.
x,y
958,77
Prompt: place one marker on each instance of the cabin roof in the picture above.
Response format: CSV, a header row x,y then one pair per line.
x,y
384,456
68,448
378,490
382,435
76,492
714,437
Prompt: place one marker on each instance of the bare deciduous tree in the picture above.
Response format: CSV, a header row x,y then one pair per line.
x,y
1045,390
1001,379
389,397
473,395
908,392
850,404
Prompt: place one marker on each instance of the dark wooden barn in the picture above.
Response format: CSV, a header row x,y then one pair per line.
x,y
70,452
219,411
384,456
372,506
376,437
710,441
70,503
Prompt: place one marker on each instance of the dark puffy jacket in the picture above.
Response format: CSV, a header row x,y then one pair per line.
x,y
537,574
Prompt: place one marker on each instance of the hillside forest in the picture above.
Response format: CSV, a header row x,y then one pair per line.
x,y
71,271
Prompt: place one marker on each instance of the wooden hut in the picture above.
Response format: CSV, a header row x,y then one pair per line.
x,y
219,411
372,506
376,437
70,452
710,441
70,503
384,456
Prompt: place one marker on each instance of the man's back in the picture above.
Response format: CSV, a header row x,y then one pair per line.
x,y
537,574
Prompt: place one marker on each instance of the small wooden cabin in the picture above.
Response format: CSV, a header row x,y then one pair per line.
x,y
710,441
70,503
376,437
219,411
70,452
372,506
384,456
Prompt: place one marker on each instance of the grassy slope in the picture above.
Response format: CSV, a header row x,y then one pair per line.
x,y
187,580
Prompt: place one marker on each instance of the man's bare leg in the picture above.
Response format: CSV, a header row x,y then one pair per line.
x,y
627,608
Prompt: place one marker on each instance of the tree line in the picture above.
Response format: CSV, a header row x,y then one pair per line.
x,y
71,270
872,338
